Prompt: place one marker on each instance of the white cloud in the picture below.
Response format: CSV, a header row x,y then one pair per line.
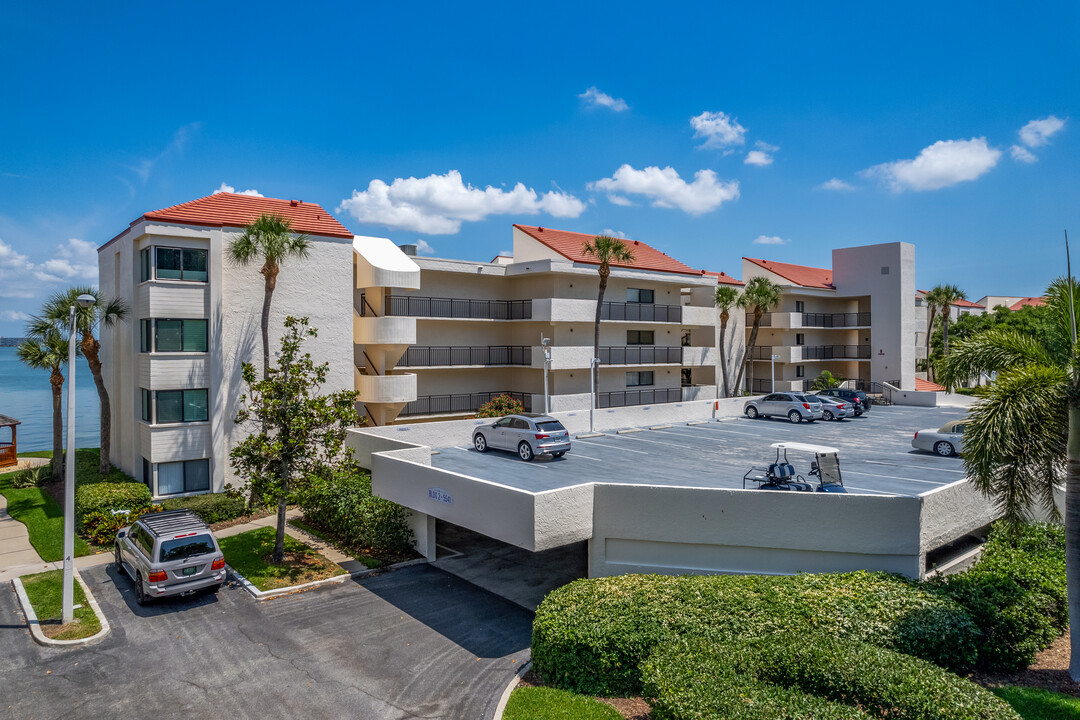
x,y
620,200
945,163
762,145
836,184
593,97
719,129
666,189
14,272
439,204
1021,154
230,189
1038,132
14,316
758,157
612,233
423,248
770,240
77,260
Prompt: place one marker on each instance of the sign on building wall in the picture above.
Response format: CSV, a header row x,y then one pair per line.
x,y
440,495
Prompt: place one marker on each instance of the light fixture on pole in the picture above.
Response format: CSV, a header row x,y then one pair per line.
x,y
594,365
68,593
772,373
547,366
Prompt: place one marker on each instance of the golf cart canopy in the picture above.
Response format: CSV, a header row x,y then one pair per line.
x,y
805,447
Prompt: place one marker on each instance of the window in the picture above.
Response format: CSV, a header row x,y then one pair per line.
x,y
800,371
144,541
144,264
175,406
183,548
181,264
147,474
520,424
639,337
635,379
183,477
146,337
147,405
800,338
800,306
884,269
686,337
637,295
550,426
180,336
687,377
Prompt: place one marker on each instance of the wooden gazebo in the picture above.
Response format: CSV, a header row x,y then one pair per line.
x,y
9,450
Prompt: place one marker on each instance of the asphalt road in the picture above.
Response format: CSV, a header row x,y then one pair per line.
x,y
876,456
416,643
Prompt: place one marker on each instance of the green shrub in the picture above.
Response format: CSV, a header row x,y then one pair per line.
x,y
591,636
1015,594
86,469
106,496
212,508
499,406
100,528
342,504
26,478
689,679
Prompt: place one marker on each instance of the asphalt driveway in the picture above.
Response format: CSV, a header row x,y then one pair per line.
x,y
416,643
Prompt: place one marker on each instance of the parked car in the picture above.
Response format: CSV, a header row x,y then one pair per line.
x,y
946,441
851,396
796,407
527,434
169,553
834,408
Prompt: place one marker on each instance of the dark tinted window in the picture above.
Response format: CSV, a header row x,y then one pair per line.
x,y
550,426
801,398
505,422
181,548
194,262
144,541
519,424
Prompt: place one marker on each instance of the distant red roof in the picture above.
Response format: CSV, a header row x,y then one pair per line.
x,y
968,303
1028,302
570,244
799,274
927,386
722,278
232,210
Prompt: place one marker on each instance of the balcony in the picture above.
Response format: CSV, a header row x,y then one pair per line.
x,y
699,356
458,404
640,355
455,308
640,312
799,353
385,388
836,320
451,356
371,330
624,398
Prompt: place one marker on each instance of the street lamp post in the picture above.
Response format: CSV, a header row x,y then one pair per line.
x,y
544,342
772,373
68,597
594,364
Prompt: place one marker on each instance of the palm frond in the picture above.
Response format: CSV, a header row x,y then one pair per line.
x,y
270,238
725,297
607,250
760,293
991,351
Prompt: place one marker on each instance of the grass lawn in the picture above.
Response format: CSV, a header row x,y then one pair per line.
x,y
249,554
1037,704
326,538
45,591
543,703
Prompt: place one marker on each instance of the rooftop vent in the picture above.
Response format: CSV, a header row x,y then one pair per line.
x,y
409,250
294,203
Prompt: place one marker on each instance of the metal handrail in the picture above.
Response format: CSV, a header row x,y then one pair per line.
x,y
459,308
835,320
640,355
640,312
449,356
464,403
625,398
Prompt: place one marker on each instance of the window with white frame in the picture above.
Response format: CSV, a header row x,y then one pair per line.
x,y
187,476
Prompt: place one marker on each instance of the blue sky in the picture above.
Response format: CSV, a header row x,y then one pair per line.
x,y
949,125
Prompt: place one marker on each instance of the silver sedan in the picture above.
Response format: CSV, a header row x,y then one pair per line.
x,y
946,441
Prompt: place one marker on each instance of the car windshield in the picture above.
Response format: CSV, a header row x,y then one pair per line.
x,y
550,426
183,548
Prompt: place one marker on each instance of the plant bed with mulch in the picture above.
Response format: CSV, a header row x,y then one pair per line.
x,y
249,554
45,592
371,557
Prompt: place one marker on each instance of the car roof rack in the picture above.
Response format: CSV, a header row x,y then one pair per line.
x,y
172,521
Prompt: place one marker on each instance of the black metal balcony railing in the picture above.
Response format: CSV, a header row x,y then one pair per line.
x,y
458,308
853,384
835,320
836,352
640,355
763,352
448,404
425,356
640,312
624,398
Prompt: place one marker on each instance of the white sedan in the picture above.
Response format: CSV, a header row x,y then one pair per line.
x,y
946,441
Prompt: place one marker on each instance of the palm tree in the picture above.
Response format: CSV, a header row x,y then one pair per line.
x,y
48,350
949,295
759,296
725,298
934,300
826,381
606,250
1023,435
103,313
268,238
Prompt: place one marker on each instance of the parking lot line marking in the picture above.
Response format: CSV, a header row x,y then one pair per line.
x,y
936,469
659,442
639,452
587,457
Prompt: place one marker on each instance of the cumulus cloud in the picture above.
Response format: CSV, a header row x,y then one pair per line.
x,y
667,190
1021,154
620,200
230,189
612,233
720,130
836,184
75,260
14,269
13,316
770,240
945,163
423,248
439,204
593,97
759,158
1038,132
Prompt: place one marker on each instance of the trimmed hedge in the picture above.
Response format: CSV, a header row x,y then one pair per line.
x,y
343,505
100,528
212,507
591,636
808,676
106,496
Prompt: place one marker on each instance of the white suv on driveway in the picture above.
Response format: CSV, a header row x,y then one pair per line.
x,y
796,407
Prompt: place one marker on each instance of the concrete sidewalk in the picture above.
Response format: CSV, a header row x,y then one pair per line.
x,y
15,547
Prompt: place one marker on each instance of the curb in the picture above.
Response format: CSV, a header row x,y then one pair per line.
x,y
589,435
336,580
628,431
505,697
35,626
660,427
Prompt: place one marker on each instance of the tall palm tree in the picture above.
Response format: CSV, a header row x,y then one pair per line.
x,y
268,238
949,295
725,298
760,295
1023,436
934,299
606,250
48,350
103,313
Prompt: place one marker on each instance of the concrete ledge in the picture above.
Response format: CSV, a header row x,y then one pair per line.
x,y
336,580
699,422
505,698
661,427
35,625
589,435
627,431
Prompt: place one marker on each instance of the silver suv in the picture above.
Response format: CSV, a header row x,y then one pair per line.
x,y
795,406
527,434
169,553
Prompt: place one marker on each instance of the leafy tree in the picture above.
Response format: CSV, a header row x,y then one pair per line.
x,y
103,313
499,406
1035,321
725,298
606,250
46,349
826,381
268,238
299,434
760,295
1023,436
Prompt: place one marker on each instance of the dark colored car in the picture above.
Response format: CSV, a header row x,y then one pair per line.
x,y
852,396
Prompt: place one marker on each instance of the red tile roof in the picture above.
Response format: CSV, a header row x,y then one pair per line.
x,y
723,278
570,244
232,210
811,277
927,386
968,303
1028,302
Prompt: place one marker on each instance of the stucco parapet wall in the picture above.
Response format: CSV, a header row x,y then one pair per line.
x,y
381,263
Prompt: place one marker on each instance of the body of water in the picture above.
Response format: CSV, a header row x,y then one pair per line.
x,y
26,394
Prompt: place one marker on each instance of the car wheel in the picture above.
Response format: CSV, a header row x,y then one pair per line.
x,y
858,414
480,443
827,415
119,564
751,412
558,454
795,416
525,451
944,449
141,598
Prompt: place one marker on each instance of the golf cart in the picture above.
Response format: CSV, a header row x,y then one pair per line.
x,y
781,475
